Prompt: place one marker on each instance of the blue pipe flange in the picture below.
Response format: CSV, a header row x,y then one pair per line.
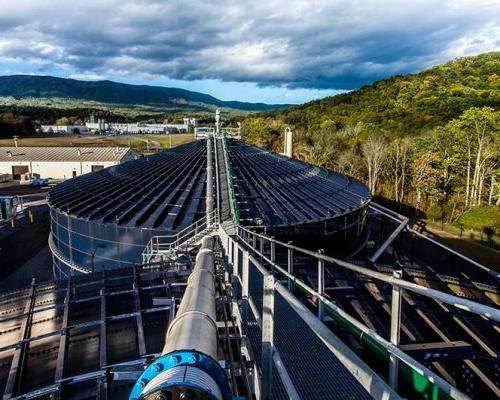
x,y
183,369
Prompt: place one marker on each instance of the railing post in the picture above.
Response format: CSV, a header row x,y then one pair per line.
x,y
290,266
395,330
254,240
244,275
236,259
273,254
229,251
321,284
267,337
262,247
244,284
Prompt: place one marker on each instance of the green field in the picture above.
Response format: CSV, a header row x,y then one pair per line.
x,y
137,142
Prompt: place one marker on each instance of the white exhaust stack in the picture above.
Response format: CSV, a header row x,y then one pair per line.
x,y
288,142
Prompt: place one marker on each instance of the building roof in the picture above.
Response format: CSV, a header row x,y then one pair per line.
x,y
62,153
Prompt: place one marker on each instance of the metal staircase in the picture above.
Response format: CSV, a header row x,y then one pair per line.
x,y
165,247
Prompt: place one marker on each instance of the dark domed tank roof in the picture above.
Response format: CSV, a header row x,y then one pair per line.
x,y
275,190
165,191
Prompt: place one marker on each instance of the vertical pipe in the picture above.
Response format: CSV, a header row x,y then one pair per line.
x,y
395,330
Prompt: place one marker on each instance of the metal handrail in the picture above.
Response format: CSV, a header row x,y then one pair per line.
x,y
365,376
388,346
464,304
167,243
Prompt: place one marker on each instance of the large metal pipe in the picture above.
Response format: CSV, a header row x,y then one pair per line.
x,y
195,325
188,367
210,181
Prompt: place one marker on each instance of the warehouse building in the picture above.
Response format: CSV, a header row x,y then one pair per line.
x,y
60,162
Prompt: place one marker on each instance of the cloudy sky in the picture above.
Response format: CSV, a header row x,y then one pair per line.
x,y
280,51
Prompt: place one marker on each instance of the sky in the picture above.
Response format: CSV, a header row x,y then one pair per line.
x,y
273,51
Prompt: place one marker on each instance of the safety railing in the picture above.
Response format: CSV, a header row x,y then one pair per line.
x,y
165,244
281,330
256,243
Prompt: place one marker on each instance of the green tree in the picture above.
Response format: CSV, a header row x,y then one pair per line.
x,y
63,121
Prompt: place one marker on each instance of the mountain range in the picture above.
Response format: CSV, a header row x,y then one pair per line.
x,y
20,87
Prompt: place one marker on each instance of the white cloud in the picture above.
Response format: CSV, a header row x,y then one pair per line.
x,y
293,43
86,77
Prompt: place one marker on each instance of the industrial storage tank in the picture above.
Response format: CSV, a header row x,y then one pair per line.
x,y
103,220
298,201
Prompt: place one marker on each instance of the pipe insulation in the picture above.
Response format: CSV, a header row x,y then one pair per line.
x,y
188,367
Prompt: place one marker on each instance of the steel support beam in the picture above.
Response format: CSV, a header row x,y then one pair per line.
x,y
389,240
140,326
16,365
437,351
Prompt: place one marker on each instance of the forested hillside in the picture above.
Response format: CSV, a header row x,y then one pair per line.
x,y
431,140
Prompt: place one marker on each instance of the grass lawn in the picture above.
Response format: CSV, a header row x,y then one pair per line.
x,y
137,142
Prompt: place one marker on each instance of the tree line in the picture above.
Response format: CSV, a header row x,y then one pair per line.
x,y
428,140
448,172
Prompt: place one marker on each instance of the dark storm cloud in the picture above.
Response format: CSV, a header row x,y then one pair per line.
x,y
298,44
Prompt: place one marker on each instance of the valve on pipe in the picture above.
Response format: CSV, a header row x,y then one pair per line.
x,y
188,367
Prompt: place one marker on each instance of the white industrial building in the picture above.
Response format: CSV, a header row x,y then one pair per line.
x,y
64,129
134,128
60,162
